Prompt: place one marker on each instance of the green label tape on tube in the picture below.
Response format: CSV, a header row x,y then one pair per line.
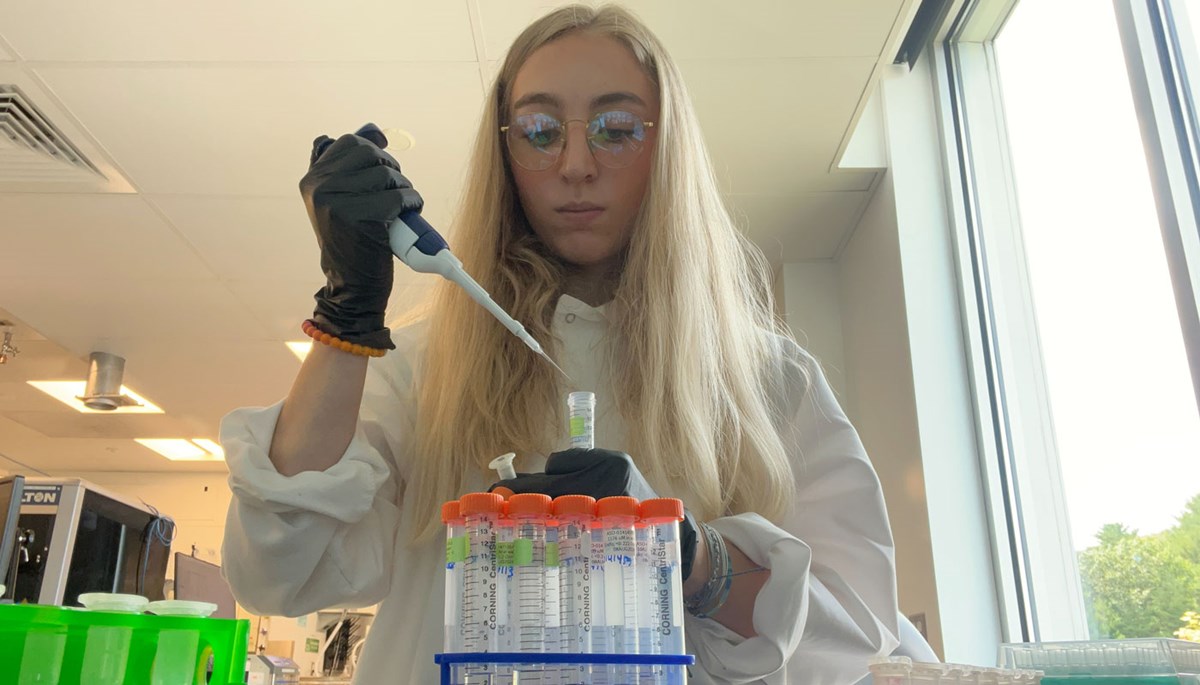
x,y
522,552
504,554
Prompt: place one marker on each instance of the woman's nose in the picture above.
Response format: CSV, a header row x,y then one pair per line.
x,y
577,162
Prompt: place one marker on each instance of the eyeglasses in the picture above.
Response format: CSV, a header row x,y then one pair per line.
x,y
615,138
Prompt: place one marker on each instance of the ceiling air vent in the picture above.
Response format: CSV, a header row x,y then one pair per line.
x,y
34,150
103,391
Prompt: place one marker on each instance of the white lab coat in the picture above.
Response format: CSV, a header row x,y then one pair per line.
x,y
316,540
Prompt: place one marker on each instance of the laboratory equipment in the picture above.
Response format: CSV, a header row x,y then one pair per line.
x,y
528,514
505,587
503,466
1097,662
616,517
455,667
11,488
87,539
49,644
581,408
662,601
552,579
646,610
574,514
481,512
271,670
197,580
106,651
901,670
601,636
456,554
418,245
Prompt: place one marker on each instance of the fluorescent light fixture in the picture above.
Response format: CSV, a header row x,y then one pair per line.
x,y
67,391
178,449
211,446
299,348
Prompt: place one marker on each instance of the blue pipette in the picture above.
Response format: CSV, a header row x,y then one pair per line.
x,y
418,245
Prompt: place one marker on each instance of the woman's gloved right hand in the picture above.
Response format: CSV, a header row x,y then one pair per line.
x,y
353,191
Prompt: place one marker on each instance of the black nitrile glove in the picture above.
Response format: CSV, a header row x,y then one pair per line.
x,y
353,191
599,474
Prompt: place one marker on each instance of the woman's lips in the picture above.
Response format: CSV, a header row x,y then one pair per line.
x,y
580,215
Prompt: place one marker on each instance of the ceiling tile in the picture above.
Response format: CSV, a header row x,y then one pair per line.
x,y
804,226
199,381
280,306
235,31
21,450
91,238
246,237
248,130
774,136
727,30
85,318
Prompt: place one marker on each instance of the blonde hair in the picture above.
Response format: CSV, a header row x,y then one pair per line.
x,y
690,327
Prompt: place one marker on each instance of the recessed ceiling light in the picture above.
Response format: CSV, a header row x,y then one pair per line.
x,y
211,447
299,348
67,392
178,449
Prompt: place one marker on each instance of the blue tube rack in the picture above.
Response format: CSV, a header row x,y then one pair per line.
x,y
448,660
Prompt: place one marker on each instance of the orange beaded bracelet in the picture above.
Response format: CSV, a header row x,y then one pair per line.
x,y
310,329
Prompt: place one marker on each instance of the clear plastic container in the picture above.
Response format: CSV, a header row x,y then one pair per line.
x,y
482,667
106,652
552,644
456,554
664,602
900,670
506,595
175,658
574,514
581,407
1149,660
480,512
529,514
601,637
617,516
647,637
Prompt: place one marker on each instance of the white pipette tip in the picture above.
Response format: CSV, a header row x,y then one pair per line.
x,y
503,466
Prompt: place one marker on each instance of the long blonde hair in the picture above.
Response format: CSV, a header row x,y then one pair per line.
x,y
690,326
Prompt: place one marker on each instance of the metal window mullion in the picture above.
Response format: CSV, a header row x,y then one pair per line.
x,y
1154,84
992,402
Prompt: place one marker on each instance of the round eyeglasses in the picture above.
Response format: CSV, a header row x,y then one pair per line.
x,y
615,138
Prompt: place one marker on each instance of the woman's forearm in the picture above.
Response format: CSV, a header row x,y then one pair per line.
x,y
737,614
320,413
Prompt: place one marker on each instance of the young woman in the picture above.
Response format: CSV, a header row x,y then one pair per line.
x,y
591,213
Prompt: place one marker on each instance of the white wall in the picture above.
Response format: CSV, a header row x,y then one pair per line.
x,y
850,315
811,309
879,392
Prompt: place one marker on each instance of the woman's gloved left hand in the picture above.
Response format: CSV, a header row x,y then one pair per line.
x,y
599,473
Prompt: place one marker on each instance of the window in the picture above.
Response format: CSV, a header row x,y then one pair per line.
x,y
1082,322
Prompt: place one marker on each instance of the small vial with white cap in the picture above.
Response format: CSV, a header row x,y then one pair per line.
x,y
503,466
581,407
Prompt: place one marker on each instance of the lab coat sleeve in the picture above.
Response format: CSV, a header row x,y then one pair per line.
x,y
315,540
830,603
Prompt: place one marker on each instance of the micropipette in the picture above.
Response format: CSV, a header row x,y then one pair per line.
x,y
418,245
